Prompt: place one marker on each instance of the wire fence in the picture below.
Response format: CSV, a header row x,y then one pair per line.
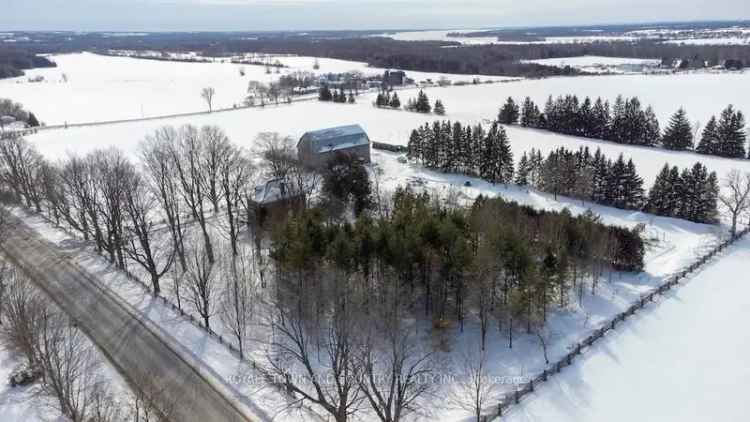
x,y
514,397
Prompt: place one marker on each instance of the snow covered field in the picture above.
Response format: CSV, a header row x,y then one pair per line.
x,y
466,104
676,243
684,359
441,36
86,87
598,64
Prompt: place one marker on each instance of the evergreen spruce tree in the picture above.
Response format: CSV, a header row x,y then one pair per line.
x,y
600,177
509,113
33,122
710,141
600,120
395,101
679,134
529,114
633,188
351,99
414,147
458,148
505,157
379,100
651,131
325,94
674,194
522,175
585,119
732,137
658,195
439,109
617,126
422,104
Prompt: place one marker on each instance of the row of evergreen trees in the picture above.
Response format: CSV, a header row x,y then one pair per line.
x,y
454,148
421,104
337,96
474,151
627,122
584,176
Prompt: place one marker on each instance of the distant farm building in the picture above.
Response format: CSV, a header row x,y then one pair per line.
x,y
394,78
317,147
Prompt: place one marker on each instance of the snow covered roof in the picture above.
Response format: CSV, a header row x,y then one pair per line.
x,y
335,139
271,191
7,119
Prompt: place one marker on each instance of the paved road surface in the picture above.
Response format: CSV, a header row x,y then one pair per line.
x,y
136,348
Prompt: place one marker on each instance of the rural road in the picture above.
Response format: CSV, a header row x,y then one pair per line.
x,y
136,348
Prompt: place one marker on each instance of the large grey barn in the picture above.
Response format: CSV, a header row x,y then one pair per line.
x,y
317,147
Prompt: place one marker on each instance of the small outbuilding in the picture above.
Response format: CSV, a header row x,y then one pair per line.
x,y
273,200
317,147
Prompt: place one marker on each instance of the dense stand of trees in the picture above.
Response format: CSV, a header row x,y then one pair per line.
x,y
627,122
512,259
690,194
14,61
454,148
580,174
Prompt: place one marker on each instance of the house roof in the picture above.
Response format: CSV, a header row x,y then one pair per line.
x,y
272,191
334,139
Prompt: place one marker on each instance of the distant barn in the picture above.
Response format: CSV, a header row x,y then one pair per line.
x,y
317,147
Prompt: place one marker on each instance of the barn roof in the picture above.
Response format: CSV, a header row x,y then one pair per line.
x,y
337,138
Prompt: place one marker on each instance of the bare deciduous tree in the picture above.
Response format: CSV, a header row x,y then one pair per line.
x,y
201,280
24,308
186,157
208,96
737,199
159,169
475,386
70,367
239,298
314,348
277,153
235,174
394,373
23,165
141,246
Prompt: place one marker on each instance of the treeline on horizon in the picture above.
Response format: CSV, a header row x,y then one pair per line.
x,y
691,194
14,61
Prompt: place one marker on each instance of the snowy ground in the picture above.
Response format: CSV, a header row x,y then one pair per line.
x,y
86,87
675,243
684,359
17,404
441,36
712,41
598,64
464,103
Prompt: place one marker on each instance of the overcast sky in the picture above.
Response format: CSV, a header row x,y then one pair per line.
x,y
255,15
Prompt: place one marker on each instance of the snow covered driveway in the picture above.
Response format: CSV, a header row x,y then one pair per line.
x,y
682,360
